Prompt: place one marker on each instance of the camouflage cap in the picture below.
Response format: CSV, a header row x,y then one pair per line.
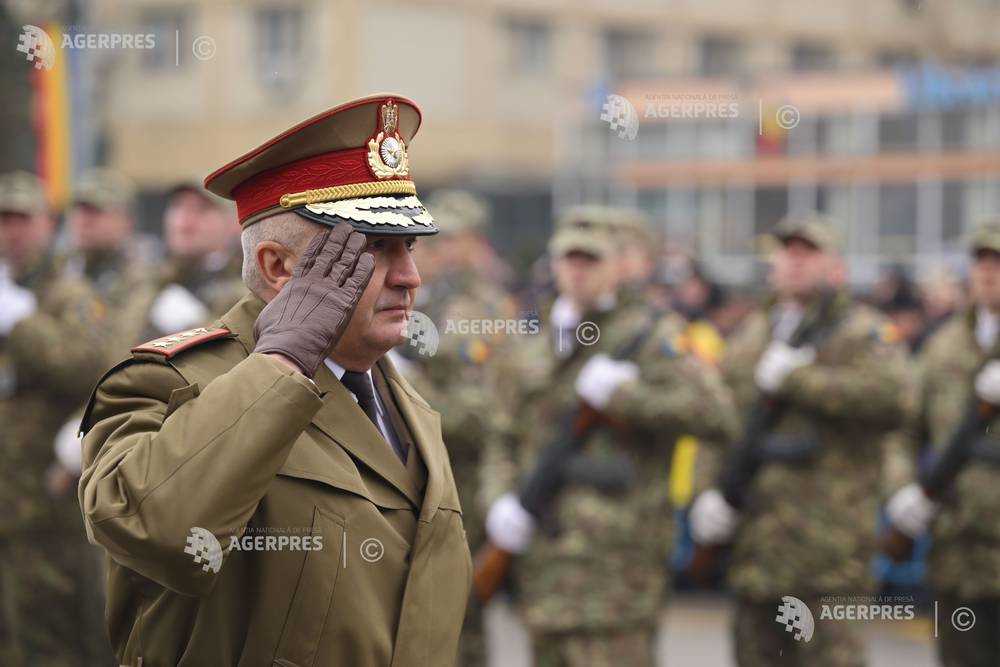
x,y
104,189
594,241
813,228
194,184
986,236
22,192
459,211
591,215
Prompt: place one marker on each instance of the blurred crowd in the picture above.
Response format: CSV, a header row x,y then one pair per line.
x,y
674,363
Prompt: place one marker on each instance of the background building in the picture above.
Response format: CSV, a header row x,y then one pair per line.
x,y
896,118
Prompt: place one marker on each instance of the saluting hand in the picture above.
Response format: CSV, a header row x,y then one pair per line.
x,y
310,313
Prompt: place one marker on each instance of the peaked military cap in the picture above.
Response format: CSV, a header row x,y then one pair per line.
x,y
349,163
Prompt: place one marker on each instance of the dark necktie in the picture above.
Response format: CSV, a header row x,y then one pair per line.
x,y
360,385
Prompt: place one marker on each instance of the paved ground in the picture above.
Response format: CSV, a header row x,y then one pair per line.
x,y
695,631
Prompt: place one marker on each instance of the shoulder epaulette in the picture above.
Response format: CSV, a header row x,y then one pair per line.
x,y
171,345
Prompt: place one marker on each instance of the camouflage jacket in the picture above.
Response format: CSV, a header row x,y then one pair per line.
x,y
460,378
598,560
809,525
48,364
965,556
218,288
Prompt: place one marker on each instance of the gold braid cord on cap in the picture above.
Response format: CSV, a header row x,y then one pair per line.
x,y
352,191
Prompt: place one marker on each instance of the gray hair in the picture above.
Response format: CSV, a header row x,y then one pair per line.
x,y
288,228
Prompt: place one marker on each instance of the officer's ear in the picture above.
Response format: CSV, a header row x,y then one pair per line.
x,y
276,263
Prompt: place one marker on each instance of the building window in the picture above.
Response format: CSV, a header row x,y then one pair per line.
x,y
278,47
770,205
898,132
629,54
165,25
720,56
897,219
897,58
953,123
529,46
811,57
953,211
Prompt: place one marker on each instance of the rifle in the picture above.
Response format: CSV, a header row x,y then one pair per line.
x,y
550,475
736,478
939,476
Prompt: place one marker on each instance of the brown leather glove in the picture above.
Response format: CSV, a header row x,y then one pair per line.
x,y
310,313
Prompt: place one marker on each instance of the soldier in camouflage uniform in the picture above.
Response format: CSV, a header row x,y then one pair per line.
x,y
959,361
50,357
591,578
106,254
461,377
200,279
808,525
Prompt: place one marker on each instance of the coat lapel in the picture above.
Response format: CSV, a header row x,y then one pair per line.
x,y
342,419
425,426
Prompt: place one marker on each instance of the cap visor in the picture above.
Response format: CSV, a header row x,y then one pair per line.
x,y
381,216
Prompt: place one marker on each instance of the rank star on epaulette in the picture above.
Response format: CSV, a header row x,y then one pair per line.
x,y
168,346
170,341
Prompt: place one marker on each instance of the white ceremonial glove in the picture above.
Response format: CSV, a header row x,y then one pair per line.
x,y
601,376
713,520
16,303
988,383
510,526
778,362
910,510
175,309
69,446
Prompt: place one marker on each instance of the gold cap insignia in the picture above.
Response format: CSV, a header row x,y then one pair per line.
x,y
386,151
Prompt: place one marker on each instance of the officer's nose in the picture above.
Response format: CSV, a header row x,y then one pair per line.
x,y
402,269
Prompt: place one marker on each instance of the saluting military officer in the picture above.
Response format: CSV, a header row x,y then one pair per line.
x,y
590,578
960,362
49,359
204,449
807,527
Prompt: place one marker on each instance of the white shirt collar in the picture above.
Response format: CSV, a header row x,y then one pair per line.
x,y
339,370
